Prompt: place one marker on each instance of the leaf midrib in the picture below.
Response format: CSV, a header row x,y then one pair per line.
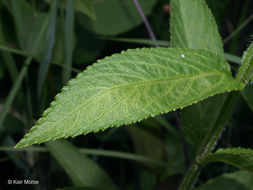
x,y
179,78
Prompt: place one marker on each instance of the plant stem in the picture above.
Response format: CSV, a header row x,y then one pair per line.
x,y
244,75
144,19
215,132
211,140
190,177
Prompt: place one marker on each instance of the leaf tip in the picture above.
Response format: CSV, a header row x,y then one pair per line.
x,y
19,145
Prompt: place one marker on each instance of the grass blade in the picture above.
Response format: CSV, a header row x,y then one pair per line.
x,y
8,59
18,21
82,170
138,41
237,30
20,77
50,40
228,57
69,38
233,58
24,53
101,152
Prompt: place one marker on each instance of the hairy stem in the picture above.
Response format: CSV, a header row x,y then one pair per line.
x,y
211,140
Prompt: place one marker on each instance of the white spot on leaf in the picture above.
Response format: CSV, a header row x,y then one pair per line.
x,y
182,55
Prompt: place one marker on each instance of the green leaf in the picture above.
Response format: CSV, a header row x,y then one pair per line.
x,y
238,157
123,14
130,86
82,170
245,73
199,118
193,26
242,180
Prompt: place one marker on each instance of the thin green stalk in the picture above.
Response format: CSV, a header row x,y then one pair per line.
x,y
228,57
24,53
234,43
12,50
32,148
105,153
238,29
137,41
233,58
8,59
9,62
20,77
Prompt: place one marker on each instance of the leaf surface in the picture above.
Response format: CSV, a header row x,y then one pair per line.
x,y
83,171
193,26
130,86
245,73
238,157
197,119
242,180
